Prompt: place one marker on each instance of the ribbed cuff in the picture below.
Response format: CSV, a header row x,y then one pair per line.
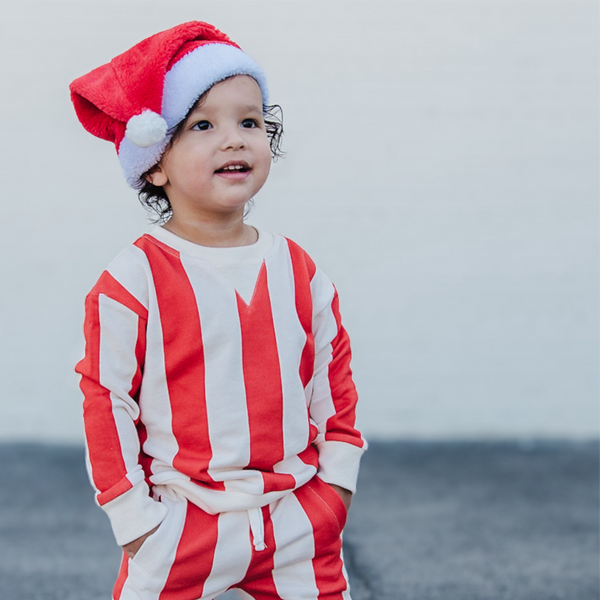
x,y
339,463
134,513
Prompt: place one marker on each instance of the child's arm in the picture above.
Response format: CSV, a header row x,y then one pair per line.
x,y
111,376
334,396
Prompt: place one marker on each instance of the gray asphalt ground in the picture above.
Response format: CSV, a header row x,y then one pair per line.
x,y
431,521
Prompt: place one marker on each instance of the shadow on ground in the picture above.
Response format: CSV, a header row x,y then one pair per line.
x,y
431,521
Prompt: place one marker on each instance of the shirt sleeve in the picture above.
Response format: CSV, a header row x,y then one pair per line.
x,y
111,373
334,396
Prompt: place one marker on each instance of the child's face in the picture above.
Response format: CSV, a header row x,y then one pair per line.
x,y
222,156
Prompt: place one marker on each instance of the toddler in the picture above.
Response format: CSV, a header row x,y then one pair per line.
x,y
219,405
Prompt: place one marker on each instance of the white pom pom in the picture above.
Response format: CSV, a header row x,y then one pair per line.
x,y
146,129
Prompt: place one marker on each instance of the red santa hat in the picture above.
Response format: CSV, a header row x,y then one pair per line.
x,y
137,99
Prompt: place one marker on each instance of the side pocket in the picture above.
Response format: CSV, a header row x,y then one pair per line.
x,y
150,549
331,499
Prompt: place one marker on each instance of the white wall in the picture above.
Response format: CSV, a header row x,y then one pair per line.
x,y
442,168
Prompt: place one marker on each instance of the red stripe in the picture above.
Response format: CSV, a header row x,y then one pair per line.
x,y
340,427
122,578
144,459
275,482
260,583
108,467
302,257
110,287
194,557
140,351
262,377
327,522
304,269
310,456
104,446
184,360
116,490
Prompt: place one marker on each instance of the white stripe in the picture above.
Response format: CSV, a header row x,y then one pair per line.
x,y
147,580
132,270
295,549
154,398
290,338
325,330
118,365
226,407
301,472
233,554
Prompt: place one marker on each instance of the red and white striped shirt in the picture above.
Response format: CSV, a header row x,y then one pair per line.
x,y
234,404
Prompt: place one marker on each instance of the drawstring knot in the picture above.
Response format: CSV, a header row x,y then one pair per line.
x,y
257,527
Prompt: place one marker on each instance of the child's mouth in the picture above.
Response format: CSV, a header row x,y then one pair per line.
x,y
233,169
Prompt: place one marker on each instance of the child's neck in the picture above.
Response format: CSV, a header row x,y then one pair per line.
x,y
216,235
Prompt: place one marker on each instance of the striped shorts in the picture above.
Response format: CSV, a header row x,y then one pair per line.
x,y
290,549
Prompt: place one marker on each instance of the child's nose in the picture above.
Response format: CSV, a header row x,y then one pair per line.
x,y
233,139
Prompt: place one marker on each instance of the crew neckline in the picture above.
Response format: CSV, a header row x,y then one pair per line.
x,y
217,256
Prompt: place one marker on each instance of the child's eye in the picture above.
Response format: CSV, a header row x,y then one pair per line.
x,y
249,123
202,125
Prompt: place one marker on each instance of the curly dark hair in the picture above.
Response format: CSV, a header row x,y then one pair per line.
x,y
155,200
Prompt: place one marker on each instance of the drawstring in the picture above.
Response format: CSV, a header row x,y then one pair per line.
x,y
257,527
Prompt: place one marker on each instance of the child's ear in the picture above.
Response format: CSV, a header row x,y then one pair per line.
x,y
157,176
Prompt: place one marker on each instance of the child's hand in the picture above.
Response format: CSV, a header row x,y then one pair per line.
x,y
344,494
132,548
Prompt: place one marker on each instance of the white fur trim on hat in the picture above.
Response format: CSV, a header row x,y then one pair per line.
x,y
198,71
187,80
146,129
135,161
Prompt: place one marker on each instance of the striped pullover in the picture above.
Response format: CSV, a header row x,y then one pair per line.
x,y
185,384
